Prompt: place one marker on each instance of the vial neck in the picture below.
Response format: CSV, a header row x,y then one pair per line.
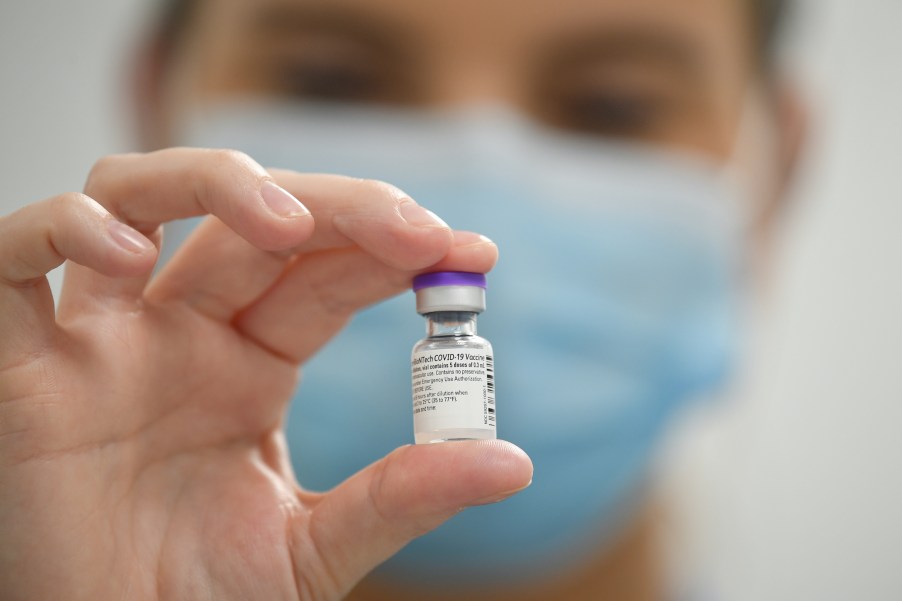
x,y
451,323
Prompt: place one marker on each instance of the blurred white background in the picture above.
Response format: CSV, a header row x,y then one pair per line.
x,y
792,491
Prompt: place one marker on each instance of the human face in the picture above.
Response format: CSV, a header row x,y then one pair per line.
x,y
670,73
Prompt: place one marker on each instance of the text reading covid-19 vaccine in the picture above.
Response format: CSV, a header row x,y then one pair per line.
x,y
452,368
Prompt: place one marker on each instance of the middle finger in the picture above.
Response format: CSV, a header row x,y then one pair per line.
x,y
220,274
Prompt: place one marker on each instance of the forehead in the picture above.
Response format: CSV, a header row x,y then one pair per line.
x,y
500,26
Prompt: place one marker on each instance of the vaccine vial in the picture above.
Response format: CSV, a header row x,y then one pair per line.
x,y
452,369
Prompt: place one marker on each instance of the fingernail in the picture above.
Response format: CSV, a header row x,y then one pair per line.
x,y
281,202
418,216
462,239
128,238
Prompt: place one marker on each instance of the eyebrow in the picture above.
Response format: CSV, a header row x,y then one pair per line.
x,y
676,53
371,30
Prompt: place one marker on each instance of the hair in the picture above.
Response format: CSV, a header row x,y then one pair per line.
x,y
767,20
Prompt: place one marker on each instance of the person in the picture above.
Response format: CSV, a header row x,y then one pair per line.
x,y
627,156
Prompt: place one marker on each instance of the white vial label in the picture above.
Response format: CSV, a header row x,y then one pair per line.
x,y
453,390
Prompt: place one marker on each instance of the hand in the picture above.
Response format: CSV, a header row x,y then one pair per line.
x,y
141,445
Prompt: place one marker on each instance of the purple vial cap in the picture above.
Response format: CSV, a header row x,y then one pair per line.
x,y
448,278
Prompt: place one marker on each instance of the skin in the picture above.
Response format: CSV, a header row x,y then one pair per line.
x,y
668,73
141,445
677,75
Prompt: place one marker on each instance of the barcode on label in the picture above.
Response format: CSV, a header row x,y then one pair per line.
x,y
490,386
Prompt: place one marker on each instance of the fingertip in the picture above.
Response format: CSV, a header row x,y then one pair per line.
x,y
419,216
280,202
464,238
287,234
428,248
512,460
423,222
510,451
417,240
129,239
469,251
133,253
287,221
475,248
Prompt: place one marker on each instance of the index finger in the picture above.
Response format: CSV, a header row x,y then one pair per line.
x,y
145,190
375,216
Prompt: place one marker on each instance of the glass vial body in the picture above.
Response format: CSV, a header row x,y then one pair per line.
x,y
453,380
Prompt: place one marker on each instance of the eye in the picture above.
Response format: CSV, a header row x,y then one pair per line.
x,y
329,80
614,113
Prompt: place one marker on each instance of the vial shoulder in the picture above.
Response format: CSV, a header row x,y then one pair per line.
x,y
453,342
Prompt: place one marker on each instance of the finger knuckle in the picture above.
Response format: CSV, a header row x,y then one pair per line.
x,y
382,191
227,159
70,203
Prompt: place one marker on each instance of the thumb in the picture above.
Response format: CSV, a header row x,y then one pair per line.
x,y
372,515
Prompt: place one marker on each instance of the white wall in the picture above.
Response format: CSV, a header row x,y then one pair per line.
x,y
60,64
793,492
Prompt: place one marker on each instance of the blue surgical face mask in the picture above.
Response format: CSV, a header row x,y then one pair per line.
x,y
612,305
